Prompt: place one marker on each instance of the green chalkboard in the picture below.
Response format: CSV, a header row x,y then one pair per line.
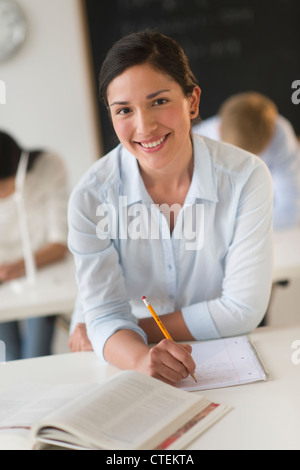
x,y
232,45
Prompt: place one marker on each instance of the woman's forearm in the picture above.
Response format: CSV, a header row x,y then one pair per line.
x,y
49,254
46,255
125,349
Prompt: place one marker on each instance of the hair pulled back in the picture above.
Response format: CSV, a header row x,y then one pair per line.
x,y
154,48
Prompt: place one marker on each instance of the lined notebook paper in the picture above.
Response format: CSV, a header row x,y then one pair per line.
x,y
224,363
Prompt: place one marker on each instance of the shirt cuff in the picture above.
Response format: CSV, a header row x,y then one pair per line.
x,y
199,322
99,336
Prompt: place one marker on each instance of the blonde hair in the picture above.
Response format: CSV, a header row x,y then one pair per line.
x,y
248,121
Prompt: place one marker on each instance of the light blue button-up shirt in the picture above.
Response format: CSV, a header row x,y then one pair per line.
x,y
216,266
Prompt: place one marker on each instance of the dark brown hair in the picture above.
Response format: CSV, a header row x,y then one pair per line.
x,y
160,51
10,153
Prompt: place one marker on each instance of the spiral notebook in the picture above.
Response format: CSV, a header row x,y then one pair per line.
x,y
224,363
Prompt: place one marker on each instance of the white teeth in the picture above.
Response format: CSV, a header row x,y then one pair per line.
x,y
153,144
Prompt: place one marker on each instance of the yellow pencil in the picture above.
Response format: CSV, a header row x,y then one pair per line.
x,y
160,323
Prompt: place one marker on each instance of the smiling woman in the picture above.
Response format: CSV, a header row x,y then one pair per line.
x,y
151,95
155,126
218,285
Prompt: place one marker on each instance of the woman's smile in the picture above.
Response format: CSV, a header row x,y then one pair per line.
x,y
153,145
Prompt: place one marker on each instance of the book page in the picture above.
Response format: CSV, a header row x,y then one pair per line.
x,y
26,403
224,362
130,411
22,406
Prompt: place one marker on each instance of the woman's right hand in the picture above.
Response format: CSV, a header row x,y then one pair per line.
x,y
168,361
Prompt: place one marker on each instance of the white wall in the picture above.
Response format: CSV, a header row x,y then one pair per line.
x,y
50,99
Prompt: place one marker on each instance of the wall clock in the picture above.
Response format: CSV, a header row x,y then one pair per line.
x,y
12,28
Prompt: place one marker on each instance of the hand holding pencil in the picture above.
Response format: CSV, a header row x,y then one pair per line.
x,y
160,323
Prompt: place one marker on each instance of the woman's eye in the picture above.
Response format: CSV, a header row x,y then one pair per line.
x,y
123,111
160,101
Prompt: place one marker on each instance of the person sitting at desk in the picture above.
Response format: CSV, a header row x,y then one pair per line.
x,y
251,121
45,199
181,219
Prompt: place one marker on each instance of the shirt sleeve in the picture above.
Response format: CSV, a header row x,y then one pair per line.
x,y
100,279
283,158
247,278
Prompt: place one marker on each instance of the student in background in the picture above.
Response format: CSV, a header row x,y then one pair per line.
x,y
45,198
184,220
251,121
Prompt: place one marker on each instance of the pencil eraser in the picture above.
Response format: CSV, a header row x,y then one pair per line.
x,y
143,298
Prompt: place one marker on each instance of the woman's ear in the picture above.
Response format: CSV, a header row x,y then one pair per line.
x,y
194,100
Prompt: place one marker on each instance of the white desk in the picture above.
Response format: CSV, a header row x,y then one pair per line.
x,y
265,415
54,292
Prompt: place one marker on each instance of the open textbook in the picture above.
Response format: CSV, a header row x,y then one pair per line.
x,y
128,411
223,363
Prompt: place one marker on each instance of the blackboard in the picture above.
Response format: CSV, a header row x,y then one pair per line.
x,y
232,45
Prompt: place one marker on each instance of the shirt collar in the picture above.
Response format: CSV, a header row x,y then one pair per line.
x,y
132,182
203,181
203,184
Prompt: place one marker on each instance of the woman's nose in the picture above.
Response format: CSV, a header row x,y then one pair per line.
x,y
145,123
